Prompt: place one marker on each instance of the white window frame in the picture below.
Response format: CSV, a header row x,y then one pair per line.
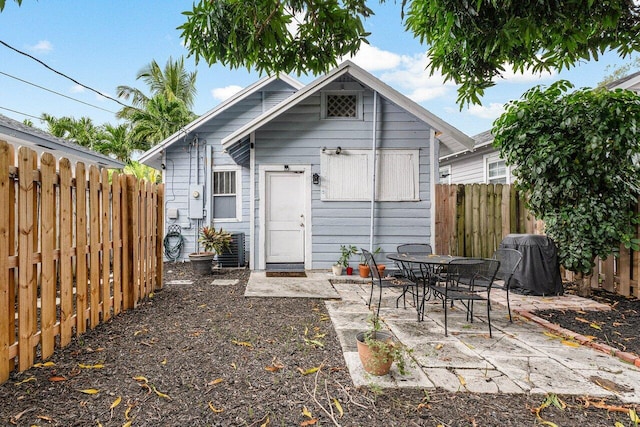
x,y
365,179
238,194
446,169
359,106
494,158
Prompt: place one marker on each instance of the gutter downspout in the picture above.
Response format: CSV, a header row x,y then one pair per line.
x,y
434,152
373,170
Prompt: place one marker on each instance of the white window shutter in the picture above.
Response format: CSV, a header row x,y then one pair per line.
x,y
346,176
398,175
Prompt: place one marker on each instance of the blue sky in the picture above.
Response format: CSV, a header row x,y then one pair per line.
x,y
103,44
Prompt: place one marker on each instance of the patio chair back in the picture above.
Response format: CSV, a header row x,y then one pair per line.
x,y
509,261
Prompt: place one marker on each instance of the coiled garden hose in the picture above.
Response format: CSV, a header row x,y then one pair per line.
x,y
173,243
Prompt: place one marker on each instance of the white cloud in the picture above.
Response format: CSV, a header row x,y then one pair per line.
x,y
222,93
77,89
43,46
491,111
373,59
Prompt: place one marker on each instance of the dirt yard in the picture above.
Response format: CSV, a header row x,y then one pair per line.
x,y
203,355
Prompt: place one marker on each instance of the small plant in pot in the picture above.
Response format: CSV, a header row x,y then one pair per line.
x,y
213,242
343,261
378,350
364,269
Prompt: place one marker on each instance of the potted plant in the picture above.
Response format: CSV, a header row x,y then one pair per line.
x,y
343,261
213,242
378,350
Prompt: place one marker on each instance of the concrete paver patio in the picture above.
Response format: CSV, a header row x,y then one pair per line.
x,y
522,357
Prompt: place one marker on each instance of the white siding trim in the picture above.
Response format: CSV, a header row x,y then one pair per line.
x,y
252,202
435,170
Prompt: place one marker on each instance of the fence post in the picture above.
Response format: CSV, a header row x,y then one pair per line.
x,y
48,245
5,301
159,227
116,221
94,246
66,243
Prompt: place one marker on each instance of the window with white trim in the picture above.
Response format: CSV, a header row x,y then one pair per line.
x,y
343,105
444,174
496,170
347,176
227,193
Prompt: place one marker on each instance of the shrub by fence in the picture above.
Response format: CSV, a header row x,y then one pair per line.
x,y
76,248
472,220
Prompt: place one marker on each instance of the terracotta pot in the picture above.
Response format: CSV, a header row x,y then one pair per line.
x,y
381,268
376,360
364,270
349,271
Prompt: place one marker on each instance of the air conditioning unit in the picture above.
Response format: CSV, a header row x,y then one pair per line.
x,y
234,257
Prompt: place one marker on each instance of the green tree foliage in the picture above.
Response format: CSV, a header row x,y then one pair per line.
x,y
469,42
156,116
578,159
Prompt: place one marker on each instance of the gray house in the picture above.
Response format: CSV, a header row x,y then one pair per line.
x,y
483,165
300,171
18,134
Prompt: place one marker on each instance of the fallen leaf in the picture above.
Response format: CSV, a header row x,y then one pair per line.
x,y
324,318
265,423
160,394
26,380
143,379
233,365
164,361
214,409
552,335
44,365
582,319
309,422
89,391
463,382
273,368
338,407
595,326
44,417
439,346
116,402
570,343
314,343
96,366
216,381
616,324
57,378
242,343
306,412
127,424
127,411
634,416
309,371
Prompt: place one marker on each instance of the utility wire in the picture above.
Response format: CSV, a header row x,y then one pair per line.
x,y
57,93
18,112
62,74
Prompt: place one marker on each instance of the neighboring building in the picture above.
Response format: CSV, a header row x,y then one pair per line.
x,y
480,165
483,164
18,134
292,168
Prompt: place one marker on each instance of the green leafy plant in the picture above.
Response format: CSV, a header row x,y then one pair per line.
x,y
363,261
577,159
214,240
386,350
345,254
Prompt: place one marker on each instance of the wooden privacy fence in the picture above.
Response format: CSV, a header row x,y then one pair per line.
x,y
472,220
76,248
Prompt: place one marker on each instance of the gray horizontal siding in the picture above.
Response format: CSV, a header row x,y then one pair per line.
x,y
298,136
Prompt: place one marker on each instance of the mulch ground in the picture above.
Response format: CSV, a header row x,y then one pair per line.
x,y
203,355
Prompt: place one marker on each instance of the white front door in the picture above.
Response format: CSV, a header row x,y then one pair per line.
x,y
284,217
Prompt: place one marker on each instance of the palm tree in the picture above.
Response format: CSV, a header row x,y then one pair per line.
x,y
175,83
81,131
168,108
115,141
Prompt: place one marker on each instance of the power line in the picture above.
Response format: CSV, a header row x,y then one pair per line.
x,y
63,74
57,93
18,112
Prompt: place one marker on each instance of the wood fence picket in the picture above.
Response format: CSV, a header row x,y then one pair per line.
x,y
70,251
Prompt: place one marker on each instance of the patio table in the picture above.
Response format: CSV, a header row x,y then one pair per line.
x,y
429,266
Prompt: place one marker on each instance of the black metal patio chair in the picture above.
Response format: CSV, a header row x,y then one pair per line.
x,y
386,282
467,280
509,261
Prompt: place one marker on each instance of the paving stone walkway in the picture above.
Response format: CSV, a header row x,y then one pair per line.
x,y
522,357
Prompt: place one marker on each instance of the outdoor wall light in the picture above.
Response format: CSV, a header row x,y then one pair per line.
x,y
338,150
316,178
286,167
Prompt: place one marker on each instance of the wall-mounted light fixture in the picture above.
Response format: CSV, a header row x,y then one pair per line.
x,y
316,178
286,167
338,150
